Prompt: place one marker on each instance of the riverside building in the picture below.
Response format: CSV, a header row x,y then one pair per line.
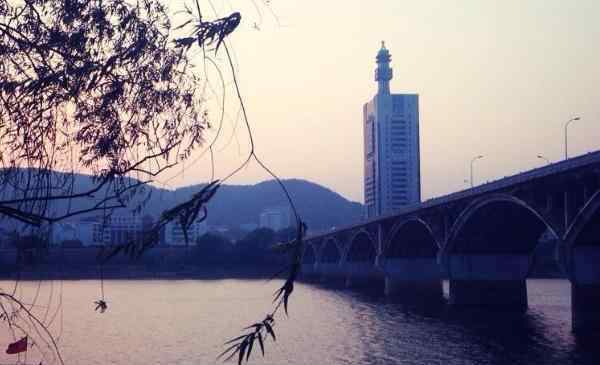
x,y
391,145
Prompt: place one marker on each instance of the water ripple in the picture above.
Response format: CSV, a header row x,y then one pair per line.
x,y
186,322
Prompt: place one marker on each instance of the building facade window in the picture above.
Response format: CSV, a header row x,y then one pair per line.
x,y
392,167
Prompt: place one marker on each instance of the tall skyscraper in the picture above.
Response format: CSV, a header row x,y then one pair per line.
x,y
391,145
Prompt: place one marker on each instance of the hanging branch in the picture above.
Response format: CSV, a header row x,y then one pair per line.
x,y
85,86
260,331
206,33
99,81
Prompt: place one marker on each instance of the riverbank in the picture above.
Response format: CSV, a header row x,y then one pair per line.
x,y
137,273
203,273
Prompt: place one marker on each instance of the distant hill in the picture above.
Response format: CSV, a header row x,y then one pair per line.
x,y
234,205
320,207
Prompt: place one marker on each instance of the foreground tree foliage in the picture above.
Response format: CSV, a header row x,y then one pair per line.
x,y
102,87
93,86
97,87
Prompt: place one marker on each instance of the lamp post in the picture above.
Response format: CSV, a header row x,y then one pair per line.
x,y
472,162
544,158
566,139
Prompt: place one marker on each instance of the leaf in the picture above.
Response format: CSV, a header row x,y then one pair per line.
x,y
114,252
183,25
184,42
235,346
278,293
213,190
251,342
286,296
285,268
285,291
242,351
255,325
232,354
270,329
236,339
260,342
229,349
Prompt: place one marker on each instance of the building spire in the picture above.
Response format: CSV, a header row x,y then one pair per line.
x,y
383,73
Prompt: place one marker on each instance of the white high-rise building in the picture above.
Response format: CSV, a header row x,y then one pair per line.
x,y
391,140
174,233
275,218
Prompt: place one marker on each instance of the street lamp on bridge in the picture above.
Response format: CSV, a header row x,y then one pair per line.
x,y
566,139
472,162
544,158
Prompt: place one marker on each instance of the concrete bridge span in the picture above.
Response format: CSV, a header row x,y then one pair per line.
x,y
409,261
481,239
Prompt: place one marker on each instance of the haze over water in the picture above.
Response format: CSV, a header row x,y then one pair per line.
x,y
186,322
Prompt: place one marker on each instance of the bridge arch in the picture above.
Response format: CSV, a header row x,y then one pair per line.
x,y
362,248
583,221
490,252
582,237
309,256
330,252
516,227
581,255
409,262
411,238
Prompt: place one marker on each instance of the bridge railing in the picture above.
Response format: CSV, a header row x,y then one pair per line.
x,y
536,173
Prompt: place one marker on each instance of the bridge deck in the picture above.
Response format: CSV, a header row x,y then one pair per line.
x,y
540,172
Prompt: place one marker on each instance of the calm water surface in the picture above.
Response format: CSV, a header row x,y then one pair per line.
x,y
186,322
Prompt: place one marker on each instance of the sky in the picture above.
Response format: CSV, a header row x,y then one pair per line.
x,y
494,78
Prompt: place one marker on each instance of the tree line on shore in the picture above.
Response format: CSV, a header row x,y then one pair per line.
x,y
209,251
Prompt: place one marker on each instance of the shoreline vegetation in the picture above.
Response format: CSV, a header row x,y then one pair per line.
x,y
148,268
212,256
195,274
135,273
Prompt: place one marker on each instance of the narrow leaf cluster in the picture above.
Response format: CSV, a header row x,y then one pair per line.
x,y
185,213
207,33
243,345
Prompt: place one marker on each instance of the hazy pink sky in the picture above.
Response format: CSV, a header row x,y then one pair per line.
x,y
497,78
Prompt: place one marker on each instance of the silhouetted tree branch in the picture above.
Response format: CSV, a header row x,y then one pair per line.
x,y
98,86
206,33
95,87
90,86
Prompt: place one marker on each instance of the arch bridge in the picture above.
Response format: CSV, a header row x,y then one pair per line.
x,y
481,239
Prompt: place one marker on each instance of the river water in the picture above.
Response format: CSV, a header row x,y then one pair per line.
x,y
186,322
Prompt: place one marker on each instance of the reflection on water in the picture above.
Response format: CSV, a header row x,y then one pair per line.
x,y
186,321
401,334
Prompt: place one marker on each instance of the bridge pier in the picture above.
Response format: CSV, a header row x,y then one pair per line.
x,y
330,273
489,281
308,271
363,275
425,291
413,279
509,295
585,308
585,290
